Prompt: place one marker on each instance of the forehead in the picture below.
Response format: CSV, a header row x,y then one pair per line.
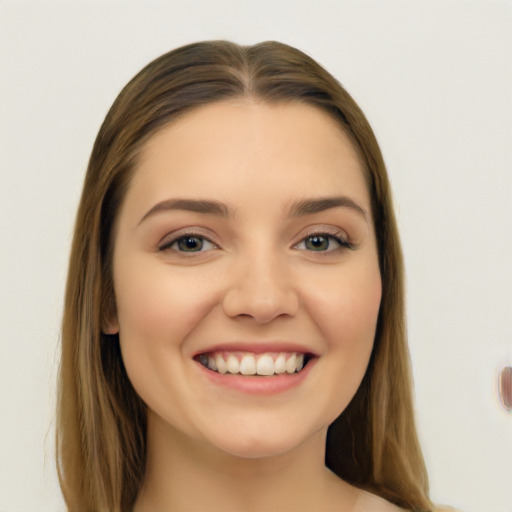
x,y
261,122
230,147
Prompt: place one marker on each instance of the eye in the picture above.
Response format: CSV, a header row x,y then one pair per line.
x,y
189,243
322,242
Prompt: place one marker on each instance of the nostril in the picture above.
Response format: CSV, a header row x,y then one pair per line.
x,y
260,296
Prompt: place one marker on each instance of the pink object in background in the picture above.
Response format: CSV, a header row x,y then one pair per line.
x,y
505,387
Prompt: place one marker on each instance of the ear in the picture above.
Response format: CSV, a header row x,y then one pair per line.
x,y
110,322
111,326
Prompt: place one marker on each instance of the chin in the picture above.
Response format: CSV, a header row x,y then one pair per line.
x,y
259,444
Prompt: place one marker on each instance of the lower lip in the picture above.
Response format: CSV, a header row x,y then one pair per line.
x,y
258,385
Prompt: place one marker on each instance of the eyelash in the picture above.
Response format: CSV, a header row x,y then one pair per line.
x,y
168,245
343,243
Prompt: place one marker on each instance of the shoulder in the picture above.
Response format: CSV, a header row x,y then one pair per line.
x,y
368,502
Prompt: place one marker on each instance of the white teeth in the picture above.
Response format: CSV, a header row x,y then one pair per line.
x,y
233,365
291,364
252,364
280,364
221,364
248,365
265,365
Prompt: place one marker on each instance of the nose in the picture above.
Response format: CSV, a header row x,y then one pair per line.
x,y
261,288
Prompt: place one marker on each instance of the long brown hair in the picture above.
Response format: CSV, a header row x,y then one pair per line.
x,y
101,420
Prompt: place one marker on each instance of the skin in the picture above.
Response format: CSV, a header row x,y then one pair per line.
x,y
258,279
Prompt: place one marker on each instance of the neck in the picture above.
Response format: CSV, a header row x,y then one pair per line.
x,y
186,474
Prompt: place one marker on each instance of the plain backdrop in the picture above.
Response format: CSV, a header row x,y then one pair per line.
x,y
435,80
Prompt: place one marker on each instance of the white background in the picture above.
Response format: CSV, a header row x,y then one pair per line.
x,y
435,80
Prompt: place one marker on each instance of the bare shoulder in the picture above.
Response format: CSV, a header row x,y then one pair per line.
x,y
368,502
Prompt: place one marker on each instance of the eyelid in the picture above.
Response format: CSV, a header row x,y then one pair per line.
x,y
331,232
172,238
327,230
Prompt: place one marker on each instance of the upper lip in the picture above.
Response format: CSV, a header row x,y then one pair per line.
x,y
257,347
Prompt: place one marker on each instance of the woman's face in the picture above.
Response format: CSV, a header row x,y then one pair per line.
x,y
245,243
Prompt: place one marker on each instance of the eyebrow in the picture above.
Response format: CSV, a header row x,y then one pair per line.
x,y
311,206
191,205
298,209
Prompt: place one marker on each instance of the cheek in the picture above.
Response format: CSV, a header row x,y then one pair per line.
x,y
348,323
155,301
346,308
157,309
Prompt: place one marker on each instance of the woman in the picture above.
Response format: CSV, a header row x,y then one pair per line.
x,y
233,334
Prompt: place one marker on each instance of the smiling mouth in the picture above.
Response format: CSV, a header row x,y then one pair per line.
x,y
247,363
